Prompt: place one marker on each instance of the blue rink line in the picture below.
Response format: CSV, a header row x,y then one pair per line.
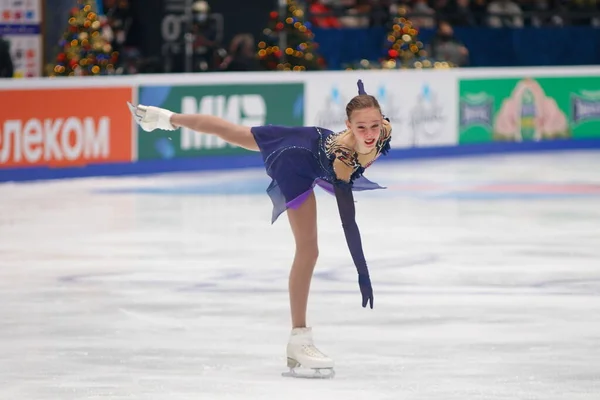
x,y
146,167
254,160
258,187
246,186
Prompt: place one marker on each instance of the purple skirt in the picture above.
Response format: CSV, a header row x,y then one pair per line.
x,y
295,160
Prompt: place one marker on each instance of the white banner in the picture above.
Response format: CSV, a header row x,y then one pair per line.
x,y
20,25
421,105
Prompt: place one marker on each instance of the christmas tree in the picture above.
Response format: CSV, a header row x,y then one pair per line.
x,y
84,50
299,52
403,49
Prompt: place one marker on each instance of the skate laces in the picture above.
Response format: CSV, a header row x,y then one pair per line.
x,y
312,351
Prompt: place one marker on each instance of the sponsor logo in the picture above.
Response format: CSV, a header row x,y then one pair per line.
x,y
427,117
332,113
476,109
585,106
245,109
66,127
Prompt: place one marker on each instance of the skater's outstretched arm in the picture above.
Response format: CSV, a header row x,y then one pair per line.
x,y
345,201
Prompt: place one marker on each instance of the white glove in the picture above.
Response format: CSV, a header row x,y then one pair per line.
x,y
151,118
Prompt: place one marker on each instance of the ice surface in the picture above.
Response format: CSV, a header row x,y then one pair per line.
x,y
486,272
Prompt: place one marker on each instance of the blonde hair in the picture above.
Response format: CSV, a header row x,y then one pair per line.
x,y
361,102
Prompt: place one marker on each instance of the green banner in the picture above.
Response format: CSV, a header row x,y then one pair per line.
x,y
529,109
245,104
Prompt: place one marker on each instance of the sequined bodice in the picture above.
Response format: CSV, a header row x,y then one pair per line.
x,y
347,163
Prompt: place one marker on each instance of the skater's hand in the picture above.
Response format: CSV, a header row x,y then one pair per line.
x,y
366,289
151,118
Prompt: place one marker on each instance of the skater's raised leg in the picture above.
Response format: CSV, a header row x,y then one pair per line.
x,y
238,135
151,118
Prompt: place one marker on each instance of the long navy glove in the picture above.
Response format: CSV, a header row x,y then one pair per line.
x,y
345,201
364,282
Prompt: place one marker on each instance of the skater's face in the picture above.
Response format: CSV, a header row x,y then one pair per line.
x,y
366,126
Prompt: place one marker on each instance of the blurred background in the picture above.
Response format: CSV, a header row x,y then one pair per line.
x,y
119,37
486,271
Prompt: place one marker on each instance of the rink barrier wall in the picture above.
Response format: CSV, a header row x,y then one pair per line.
x,y
147,167
80,127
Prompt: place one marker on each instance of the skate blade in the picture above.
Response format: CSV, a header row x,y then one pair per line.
x,y
315,373
134,112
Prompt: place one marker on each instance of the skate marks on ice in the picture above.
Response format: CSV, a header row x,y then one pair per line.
x,y
391,275
134,295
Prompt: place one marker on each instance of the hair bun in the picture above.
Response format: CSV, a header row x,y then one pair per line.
x,y
361,87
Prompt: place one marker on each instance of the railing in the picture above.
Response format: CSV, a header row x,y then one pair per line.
x,y
557,17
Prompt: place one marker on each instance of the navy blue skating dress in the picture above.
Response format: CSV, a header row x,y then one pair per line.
x,y
298,158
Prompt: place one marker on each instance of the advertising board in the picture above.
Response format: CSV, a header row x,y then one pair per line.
x,y
529,108
249,104
421,107
65,127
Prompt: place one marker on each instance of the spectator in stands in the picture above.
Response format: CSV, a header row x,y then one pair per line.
x,y
396,5
442,7
241,55
6,64
542,13
319,18
355,13
446,47
119,19
205,38
582,11
380,13
479,11
422,14
459,13
504,13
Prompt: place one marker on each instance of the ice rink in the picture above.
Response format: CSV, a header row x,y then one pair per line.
x,y
486,274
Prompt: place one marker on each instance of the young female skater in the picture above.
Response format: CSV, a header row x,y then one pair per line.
x,y
297,159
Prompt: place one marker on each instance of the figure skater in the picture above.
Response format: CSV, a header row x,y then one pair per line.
x,y
297,159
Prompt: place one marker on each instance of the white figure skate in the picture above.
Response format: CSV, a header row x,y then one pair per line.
x,y
301,352
151,118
